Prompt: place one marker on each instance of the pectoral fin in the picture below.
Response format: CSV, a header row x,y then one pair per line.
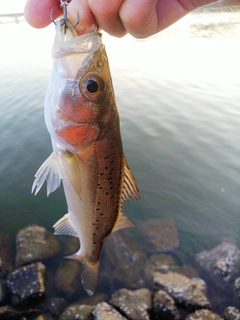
x,y
71,164
50,172
130,188
64,226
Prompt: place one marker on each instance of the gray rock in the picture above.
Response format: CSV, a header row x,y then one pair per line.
x,y
104,311
135,304
27,283
77,312
10,313
68,278
6,264
35,243
45,316
162,234
164,306
231,313
203,314
190,292
3,290
237,287
54,306
159,263
123,260
221,263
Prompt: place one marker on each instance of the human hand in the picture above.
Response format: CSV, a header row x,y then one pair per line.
x,y
140,18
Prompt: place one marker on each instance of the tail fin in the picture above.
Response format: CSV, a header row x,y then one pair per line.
x,y
89,273
89,276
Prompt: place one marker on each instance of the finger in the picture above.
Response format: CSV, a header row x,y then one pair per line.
x,y
107,16
37,13
139,17
79,8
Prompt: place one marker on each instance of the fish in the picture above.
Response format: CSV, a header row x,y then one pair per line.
x,y
83,122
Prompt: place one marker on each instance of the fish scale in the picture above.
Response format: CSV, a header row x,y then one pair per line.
x,y
82,119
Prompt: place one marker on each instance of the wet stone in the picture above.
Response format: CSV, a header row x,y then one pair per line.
x,y
231,313
186,291
35,243
104,311
159,263
134,304
203,314
164,306
68,278
161,235
123,260
77,312
221,264
27,284
3,290
11,313
5,256
237,287
54,305
46,316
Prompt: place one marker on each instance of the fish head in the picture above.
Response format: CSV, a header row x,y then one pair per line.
x,y
80,101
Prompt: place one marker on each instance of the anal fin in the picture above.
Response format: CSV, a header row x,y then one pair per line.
x,y
122,222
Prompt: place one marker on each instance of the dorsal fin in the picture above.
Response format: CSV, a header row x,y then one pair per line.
x,y
50,172
130,188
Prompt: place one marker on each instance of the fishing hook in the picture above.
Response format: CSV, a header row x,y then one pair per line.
x,y
64,4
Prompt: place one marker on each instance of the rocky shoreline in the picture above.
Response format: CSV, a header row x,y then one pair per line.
x,y
137,283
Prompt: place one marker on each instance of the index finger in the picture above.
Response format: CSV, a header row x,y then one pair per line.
x,y
37,13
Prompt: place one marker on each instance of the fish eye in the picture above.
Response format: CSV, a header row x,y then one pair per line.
x,y
91,86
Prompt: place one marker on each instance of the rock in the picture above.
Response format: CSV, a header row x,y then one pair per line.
x,y
46,316
77,312
10,313
237,287
3,290
159,263
221,264
5,256
190,292
35,243
68,278
135,304
123,261
54,306
203,315
162,234
26,284
164,306
231,313
94,299
104,311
